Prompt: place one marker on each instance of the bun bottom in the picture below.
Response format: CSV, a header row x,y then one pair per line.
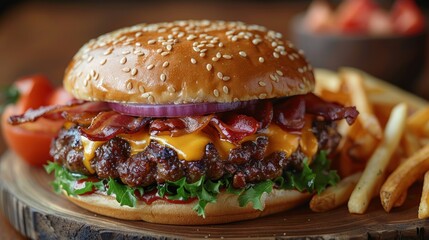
x,y
225,210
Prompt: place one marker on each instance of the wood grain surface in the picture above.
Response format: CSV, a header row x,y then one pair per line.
x,y
27,200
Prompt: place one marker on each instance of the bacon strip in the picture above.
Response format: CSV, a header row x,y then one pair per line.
x,y
55,112
98,123
329,110
107,125
235,128
178,126
289,113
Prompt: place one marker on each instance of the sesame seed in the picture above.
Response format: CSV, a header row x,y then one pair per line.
x,y
215,59
273,77
283,53
280,73
134,71
274,44
261,59
152,41
276,55
218,55
171,89
90,58
256,41
234,39
220,44
193,61
151,99
219,75
163,77
216,93
196,49
301,85
129,86
262,84
138,34
300,70
200,45
203,50
145,95
126,69
169,47
165,53
102,62
88,77
291,57
226,78
108,51
165,64
225,89
202,54
194,44
85,82
209,67
242,53
126,52
150,67
210,45
123,60
262,95
226,56
141,89
93,72
191,37
159,50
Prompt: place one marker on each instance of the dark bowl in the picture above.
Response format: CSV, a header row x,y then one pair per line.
x,y
396,59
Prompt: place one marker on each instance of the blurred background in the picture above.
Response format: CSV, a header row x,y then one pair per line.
x,y
42,36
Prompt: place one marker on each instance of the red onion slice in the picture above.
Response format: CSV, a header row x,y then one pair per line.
x,y
177,110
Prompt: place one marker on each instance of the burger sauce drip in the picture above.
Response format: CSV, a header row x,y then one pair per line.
x,y
152,196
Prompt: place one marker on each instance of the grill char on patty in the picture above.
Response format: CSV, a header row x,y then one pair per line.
x,y
158,163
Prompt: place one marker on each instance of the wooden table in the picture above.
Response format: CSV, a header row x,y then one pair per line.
x,y
41,37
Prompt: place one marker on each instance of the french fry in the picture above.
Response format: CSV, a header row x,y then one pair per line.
x,y
375,169
401,199
354,83
335,196
424,200
391,93
418,119
403,177
411,143
326,80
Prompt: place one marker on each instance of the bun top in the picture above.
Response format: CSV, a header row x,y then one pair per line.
x,y
188,62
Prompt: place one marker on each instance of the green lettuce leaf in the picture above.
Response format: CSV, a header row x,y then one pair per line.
x,y
313,178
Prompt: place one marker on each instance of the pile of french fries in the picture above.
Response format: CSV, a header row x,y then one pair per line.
x,y
384,152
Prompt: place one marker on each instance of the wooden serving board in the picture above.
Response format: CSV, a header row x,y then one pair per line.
x,y
27,200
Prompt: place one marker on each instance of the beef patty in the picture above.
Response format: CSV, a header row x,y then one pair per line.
x,y
158,163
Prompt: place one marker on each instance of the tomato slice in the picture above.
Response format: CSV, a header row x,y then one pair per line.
x,y
319,17
33,92
32,146
407,18
353,16
31,141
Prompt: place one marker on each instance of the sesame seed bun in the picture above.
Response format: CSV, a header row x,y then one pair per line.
x,y
188,62
225,210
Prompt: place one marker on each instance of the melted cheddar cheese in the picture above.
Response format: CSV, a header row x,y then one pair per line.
x,y
191,147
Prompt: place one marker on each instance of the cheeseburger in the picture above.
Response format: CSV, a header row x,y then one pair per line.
x,y
191,122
